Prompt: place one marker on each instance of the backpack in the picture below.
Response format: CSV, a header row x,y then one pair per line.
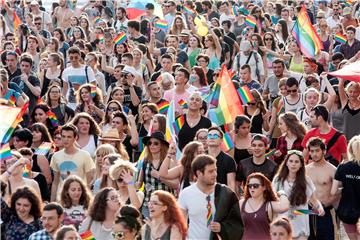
x,y
330,144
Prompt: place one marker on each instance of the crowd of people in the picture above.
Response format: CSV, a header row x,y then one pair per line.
x,y
97,85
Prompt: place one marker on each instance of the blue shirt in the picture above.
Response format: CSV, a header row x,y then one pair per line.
x,y
40,235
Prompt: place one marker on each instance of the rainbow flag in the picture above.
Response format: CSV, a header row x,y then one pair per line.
x,y
183,104
97,19
87,235
270,153
244,11
17,21
163,107
229,102
119,39
245,94
40,101
53,119
189,10
161,24
178,124
11,117
43,149
100,37
140,144
227,144
170,134
5,152
340,38
234,11
306,36
349,2
215,95
305,212
93,90
26,171
250,21
280,108
12,100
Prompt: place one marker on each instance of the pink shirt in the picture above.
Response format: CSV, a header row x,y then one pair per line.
x,y
172,95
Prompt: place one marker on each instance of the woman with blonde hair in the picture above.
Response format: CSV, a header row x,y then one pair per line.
x,y
112,137
105,179
102,151
122,173
346,183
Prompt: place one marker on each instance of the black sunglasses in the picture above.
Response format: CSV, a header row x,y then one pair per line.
x,y
253,185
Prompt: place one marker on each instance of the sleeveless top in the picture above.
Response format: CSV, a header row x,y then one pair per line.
x,y
165,236
90,147
256,224
294,107
296,67
214,63
241,154
351,120
192,57
256,122
326,44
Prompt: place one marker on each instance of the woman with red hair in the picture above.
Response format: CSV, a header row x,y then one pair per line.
x,y
198,77
259,205
167,221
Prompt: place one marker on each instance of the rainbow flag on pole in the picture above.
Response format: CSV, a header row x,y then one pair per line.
x,y
183,104
170,134
44,148
11,117
227,144
53,119
163,107
93,91
178,124
5,152
161,24
250,21
340,38
245,94
87,235
189,10
229,102
305,212
120,38
270,153
17,21
306,35
26,171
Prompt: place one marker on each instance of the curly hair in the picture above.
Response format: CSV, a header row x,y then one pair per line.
x,y
65,199
188,155
94,127
293,124
97,210
31,196
97,98
298,192
173,214
269,194
129,216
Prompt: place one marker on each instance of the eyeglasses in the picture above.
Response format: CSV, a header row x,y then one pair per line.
x,y
153,143
292,90
320,17
253,185
213,136
113,198
110,109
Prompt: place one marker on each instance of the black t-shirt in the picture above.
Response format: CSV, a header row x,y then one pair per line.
x,y
225,164
127,99
247,166
349,175
35,82
181,56
210,76
15,74
224,49
187,134
142,39
44,189
128,147
213,14
61,111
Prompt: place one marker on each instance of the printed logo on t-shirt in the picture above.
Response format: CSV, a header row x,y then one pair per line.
x,y
77,79
67,168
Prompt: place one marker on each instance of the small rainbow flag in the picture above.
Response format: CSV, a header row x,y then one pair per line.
x,y
189,10
53,119
161,24
349,2
250,21
119,39
17,21
245,94
87,235
244,11
40,101
12,100
280,108
43,149
233,11
26,171
305,212
5,152
183,104
340,38
93,90
227,143
178,124
215,95
163,107
270,153
97,19
100,37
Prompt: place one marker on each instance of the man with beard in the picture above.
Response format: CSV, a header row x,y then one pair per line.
x,y
62,15
335,141
258,162
121,21
322,174
51,220
200,200
271,86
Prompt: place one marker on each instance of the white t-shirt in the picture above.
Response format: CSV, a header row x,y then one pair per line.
x,y
193,201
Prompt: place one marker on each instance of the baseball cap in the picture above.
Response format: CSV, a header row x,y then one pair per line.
x,y
129,69
245,45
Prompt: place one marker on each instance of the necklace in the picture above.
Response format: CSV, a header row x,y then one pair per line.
x,y
155,233
252,209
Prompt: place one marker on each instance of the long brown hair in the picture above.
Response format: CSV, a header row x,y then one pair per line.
x,y
187,158
65,199
260,104
173,214
94,127
293,124
298,192
269,194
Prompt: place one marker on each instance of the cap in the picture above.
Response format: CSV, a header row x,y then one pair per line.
x,y
185,33
347,11
149,6
34,2
131,70
245,46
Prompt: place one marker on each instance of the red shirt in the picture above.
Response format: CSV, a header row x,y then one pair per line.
x,y
336,150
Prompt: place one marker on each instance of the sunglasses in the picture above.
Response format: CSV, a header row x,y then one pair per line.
x,y
120,180
153,143
268,39
110,109
213,136
292,91
253,185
